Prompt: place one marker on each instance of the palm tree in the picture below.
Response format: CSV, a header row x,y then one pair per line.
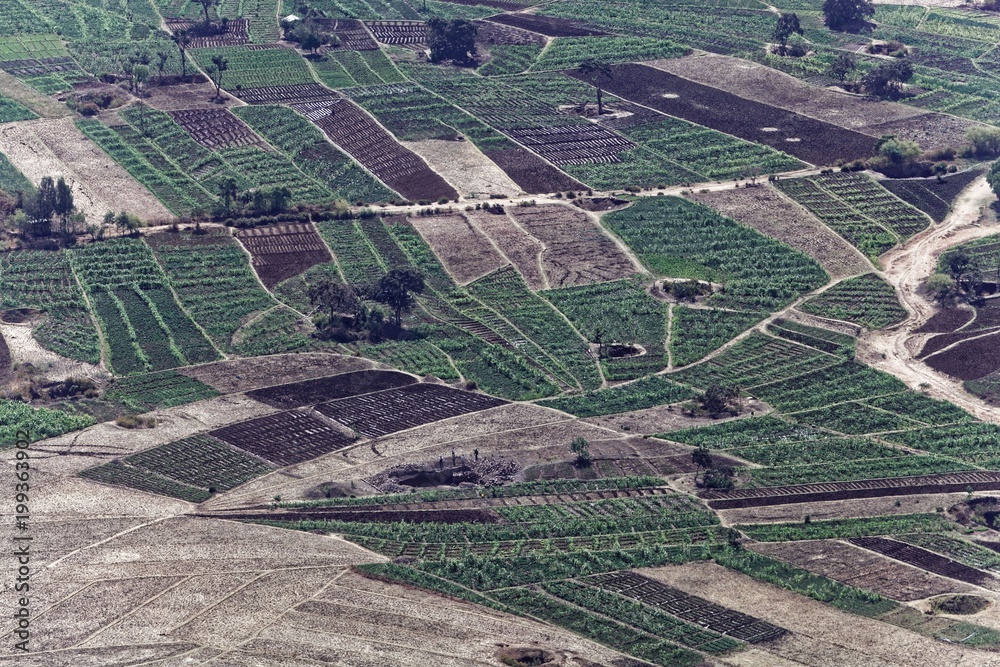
x,y
596,70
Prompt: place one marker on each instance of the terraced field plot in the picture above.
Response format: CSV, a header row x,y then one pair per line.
x,y
385,412
237,31
215,128
282,251
285,438
310,392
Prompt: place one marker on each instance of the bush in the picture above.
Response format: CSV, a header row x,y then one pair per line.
x,y
985,141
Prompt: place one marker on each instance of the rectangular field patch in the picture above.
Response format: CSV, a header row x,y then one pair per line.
x,y
284,438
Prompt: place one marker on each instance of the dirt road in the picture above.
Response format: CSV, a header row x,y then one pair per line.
x,y
906,268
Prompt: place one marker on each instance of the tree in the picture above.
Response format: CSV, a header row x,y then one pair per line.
x,y
310,41
45,203
840,14
581,448
162,57
993,178
182,39
702,458
336,298
64,206
396,290
985,140
205,5
228,189
453,40
888,78
717,399
842,65
788,25
219,65
279,198
597,71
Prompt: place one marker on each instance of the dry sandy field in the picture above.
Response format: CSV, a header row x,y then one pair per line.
x,y
56,148
522,249
464,167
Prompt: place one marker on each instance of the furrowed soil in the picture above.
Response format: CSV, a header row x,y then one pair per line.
x,y
821,636
464,167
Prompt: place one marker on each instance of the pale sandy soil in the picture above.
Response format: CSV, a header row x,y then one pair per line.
x,y
906,268
772,214
43,105
162,655
822,636
465,252
25,349
187,96
56,148
235,375
842,509
464,167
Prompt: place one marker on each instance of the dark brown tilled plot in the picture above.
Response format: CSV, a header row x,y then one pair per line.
x,y
926,560
573,144
280,252
393,410
865,488
310,392
531,173
547,25
806,138
350,32
284,438
688,607
299,92
215,128
399,32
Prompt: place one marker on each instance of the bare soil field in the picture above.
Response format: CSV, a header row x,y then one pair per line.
x,y
309,392
531,173
861,568
173,654
236,375
821,635
932,130
461,247
280,252
48,148
522,249
465,167
770,86
806,138
577,251
663,418
770,213
842,509
185,96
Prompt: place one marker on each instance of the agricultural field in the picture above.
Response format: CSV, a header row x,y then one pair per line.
x,y
334,346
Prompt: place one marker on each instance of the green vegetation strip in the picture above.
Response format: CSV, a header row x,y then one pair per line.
x,y
646,393
844,528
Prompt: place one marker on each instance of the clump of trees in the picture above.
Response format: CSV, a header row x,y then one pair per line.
x,y
345,316
847,14
48,211
234,201
717,401
453,40
713,475
887,79
962,276
581,449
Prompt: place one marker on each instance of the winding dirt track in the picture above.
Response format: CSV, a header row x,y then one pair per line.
x,y
906,268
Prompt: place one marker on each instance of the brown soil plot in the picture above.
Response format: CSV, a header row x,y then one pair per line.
x,y
522,249
577,251
463,250
280,252
310,392
862,569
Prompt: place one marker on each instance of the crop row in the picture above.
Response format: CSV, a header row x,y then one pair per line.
x,y
45,281
867,300
645,393
819,338
153,391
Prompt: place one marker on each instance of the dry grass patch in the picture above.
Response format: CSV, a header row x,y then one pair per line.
x,y
464,167
462,248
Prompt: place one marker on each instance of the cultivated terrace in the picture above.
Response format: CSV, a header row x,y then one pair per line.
x,y
499,332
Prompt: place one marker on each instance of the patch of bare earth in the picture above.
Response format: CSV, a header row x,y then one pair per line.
x,y
237,375
930,130
57,148
522,249
464,167
462,248
861,568
821,636
841,509
770,213
763,84
24,349
176,97
577,250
